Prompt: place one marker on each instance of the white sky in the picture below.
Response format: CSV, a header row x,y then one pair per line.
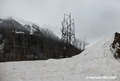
x,y
94,19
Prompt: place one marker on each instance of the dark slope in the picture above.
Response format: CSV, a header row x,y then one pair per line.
x,y
115,46
30,43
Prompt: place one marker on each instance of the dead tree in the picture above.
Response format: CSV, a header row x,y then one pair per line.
x,y
81,44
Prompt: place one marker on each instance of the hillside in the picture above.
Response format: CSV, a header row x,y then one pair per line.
x,y
20,42
95,61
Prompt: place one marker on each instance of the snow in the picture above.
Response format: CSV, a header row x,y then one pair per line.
x,y
95,64
22,22
31,24
19,32
1,46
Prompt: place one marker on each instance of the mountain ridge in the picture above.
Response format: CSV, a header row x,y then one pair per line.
x,y
30,42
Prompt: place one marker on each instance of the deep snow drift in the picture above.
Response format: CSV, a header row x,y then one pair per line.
x,y
97,61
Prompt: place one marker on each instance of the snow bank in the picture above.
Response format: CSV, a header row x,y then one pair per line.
x,y
97,61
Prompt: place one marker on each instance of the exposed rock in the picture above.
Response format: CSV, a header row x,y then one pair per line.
x,y
115,46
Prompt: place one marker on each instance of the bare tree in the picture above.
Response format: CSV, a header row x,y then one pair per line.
x,y
81,43
85,43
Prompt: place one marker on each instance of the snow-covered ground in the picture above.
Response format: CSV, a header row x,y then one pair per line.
x,y
94,64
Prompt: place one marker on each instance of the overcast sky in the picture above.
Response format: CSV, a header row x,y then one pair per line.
x,y
94,19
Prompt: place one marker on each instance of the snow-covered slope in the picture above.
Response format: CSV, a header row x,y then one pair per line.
x,y
96,62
